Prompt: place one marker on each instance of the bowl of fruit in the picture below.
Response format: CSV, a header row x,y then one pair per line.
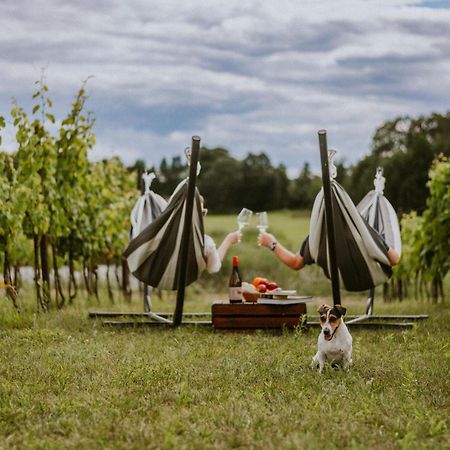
x,y
258,287
249,292
263,285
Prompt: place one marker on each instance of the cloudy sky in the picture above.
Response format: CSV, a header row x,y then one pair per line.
x,y
250,76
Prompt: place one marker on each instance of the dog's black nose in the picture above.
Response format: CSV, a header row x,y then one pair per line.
x,y
326,331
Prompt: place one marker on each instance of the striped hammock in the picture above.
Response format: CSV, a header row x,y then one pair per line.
x,y
148,207
380,214
361,255
153,254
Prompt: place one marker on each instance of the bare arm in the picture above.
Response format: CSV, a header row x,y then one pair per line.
x,y
293,260
230,239
394,257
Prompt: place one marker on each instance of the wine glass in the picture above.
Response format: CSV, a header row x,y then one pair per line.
x,y
263,221
243,218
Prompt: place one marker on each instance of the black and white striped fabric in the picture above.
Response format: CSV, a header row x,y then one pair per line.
x,y
148,207
153,254
380,214
360,251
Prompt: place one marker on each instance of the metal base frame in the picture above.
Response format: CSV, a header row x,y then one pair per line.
x,y
135,324
370,320
164,319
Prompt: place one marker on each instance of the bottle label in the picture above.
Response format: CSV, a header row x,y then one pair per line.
x,y
235,294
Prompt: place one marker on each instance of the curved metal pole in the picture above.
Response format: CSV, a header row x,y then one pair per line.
x,y
187,228
334,274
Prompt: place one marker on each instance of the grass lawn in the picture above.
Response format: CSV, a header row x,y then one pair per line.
x,y
67,382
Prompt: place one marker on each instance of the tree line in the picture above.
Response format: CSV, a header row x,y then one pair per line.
x,y
61,209
404,147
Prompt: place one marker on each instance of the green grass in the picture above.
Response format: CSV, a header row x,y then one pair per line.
x,y
68,382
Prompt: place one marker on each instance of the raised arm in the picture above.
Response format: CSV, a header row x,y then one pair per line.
x,y
230,239
293,260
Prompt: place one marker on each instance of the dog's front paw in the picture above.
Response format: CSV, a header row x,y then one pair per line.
x,y
315,361
318,361
346,365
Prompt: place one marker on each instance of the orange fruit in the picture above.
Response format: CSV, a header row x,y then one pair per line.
x,y
259,280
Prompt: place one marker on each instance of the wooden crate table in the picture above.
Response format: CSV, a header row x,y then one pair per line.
x,y
247,316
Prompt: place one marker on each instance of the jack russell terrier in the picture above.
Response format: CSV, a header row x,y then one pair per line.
x,y
334,344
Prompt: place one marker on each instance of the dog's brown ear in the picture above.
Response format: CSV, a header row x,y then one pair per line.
x,y
323,309
341,309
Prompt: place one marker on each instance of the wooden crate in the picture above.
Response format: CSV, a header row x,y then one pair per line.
x,y
226,316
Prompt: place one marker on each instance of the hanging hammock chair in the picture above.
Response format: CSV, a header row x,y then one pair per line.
x,y
361,254
168,253
153,254
380,214
148,207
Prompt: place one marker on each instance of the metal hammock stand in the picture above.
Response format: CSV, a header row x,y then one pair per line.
x,y
174,319
367,320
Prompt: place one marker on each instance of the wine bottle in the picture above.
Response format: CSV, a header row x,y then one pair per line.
x,y
235,283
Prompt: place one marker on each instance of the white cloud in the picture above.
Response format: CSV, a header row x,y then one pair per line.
x,y
247,75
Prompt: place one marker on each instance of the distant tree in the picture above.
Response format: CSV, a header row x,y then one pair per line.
x,y
304,188
342,172
139,168
263,187
220,180
405,148
170,175
360,177
280,196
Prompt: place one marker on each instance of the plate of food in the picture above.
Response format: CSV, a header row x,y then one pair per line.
x,y
279,293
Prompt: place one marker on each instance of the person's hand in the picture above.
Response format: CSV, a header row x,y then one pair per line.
x,y
266,239
234,237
